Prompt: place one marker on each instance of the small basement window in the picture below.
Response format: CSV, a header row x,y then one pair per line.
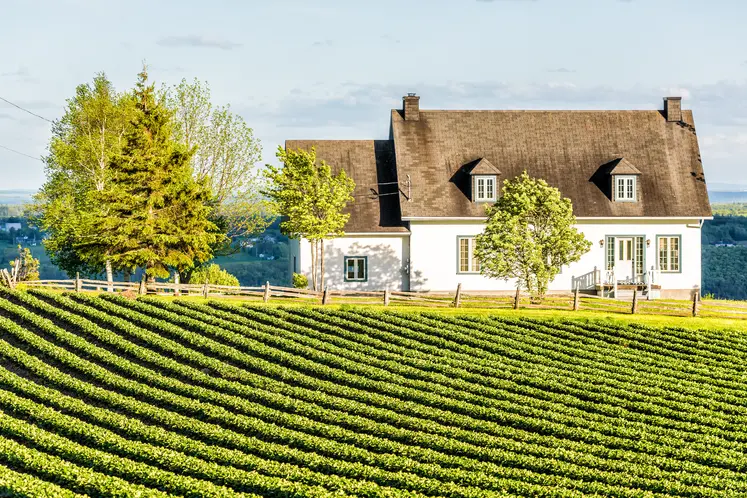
x,y
356,268
484,188
626,188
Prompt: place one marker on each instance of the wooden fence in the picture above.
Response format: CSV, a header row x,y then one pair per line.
x,y
457,299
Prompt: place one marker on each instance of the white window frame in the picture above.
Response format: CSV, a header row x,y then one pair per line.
x,y
486,179
473,264
629,188
357,262
667,263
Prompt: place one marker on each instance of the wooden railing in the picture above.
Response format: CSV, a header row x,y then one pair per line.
x,y
460,299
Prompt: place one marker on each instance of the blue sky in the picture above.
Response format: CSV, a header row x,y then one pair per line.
x,y
334,68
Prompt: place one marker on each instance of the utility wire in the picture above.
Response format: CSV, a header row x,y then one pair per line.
x,y
21,153
26,110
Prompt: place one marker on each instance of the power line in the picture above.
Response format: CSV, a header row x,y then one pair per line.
x,y
21,153
26,110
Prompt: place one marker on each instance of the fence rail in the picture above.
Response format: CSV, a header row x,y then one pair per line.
x,y
460,299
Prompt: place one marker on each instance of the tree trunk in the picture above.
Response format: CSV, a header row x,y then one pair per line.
x,y
312,244
127,275
321,276
109,276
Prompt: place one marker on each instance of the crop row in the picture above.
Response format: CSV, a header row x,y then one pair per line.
x,y
485,342
17,484
296,439
201,411
185,334
610,400
162,457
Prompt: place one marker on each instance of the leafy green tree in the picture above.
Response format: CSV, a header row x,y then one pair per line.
x,y
82,146
529,235
154,213
225,155
311,199
213,274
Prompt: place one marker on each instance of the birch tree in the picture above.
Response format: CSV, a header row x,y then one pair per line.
x,y
311,200
225,155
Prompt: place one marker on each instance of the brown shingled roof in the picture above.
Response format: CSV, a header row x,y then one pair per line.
x,y
370,163
622,166
575,151
571,150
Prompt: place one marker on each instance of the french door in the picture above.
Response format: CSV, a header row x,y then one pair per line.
x,y
626,255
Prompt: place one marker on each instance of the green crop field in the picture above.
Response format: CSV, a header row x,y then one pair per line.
x,y
104,396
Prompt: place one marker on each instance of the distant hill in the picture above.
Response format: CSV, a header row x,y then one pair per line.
x,y
19,196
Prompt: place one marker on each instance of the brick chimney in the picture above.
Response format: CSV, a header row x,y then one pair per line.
x,y
411,106
673,108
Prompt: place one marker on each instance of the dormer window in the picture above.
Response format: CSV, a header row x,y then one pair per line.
x,y
626,188
624,178
485,188
484,178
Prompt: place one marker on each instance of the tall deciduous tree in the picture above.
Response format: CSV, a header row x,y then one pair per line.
x,y
155,214
83,143
225,156
311,199
529,235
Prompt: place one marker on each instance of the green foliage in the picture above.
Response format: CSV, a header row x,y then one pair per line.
x,y
730,209
529,235
311,200
213,274
24,267
84,142
300,281
724,272
731,229
147,397
225,155
155,213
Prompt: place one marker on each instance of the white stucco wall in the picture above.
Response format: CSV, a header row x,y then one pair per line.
x,y
433,254
426,259
387,259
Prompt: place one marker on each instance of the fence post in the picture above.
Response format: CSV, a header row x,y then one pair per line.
x,y
266,296
576,300
141,289
177,284
517,297
78,283
696,304
325,296
205,290
387,297
458,296
634,307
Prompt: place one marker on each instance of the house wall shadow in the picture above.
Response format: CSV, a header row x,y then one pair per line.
x,y
387,266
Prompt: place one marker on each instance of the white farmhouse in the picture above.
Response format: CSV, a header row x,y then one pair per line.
x,y
635,179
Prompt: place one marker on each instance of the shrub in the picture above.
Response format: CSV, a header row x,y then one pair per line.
x,y
300,281
214,275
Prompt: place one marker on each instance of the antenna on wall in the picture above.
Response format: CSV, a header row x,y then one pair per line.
x,y
409,189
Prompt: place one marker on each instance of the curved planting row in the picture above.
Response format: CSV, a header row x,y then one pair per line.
x,y
104,396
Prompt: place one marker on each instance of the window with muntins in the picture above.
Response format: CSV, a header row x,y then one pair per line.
x,y
485,189
356,268
625,188
669,253
467,262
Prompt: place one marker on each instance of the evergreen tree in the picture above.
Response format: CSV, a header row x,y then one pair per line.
x,y
155,213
